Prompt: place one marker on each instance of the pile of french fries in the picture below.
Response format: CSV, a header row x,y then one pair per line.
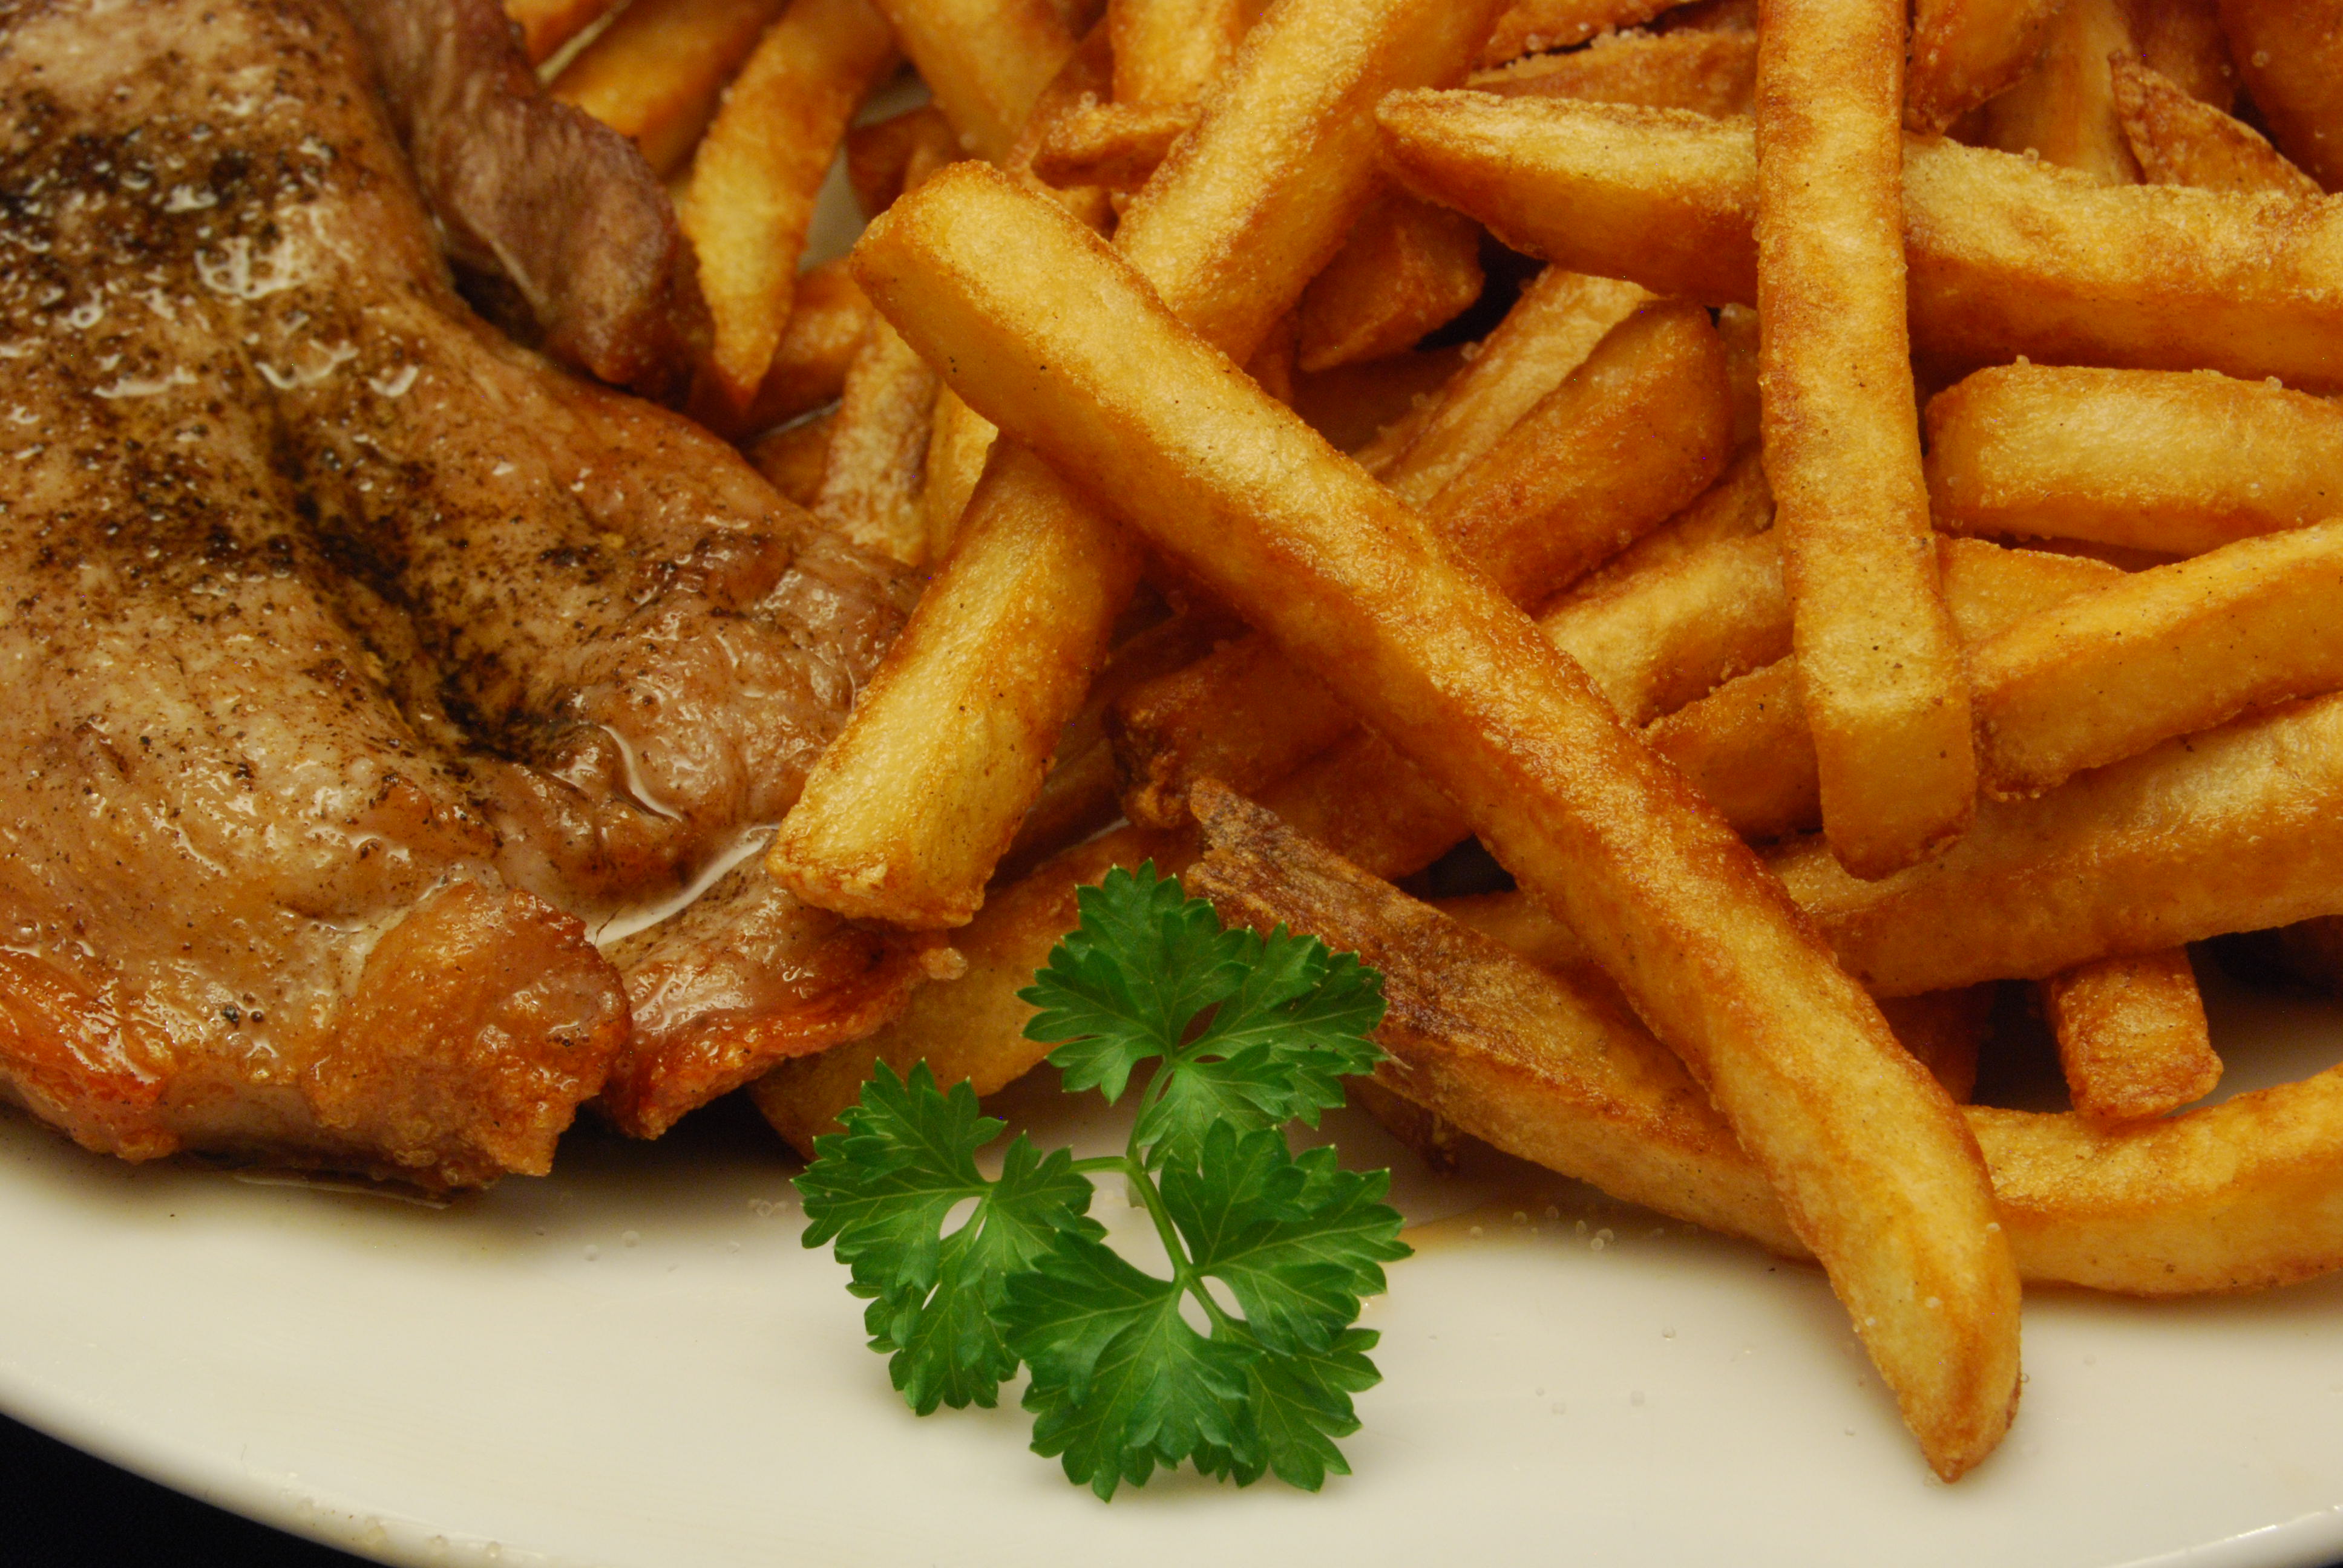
x,y
1885,553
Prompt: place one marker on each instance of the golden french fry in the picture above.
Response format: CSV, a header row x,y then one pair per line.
x,y
828,318
871,485
2132,1036
1352,405
972,1027
1534,26
1739,503
2181,141
912,806
880,154
958,444
1549,332
1737,325
2007,256
547,25
654,74
1712,73
1965,51
2239,1196
1116,146
1628,437
2181,41
794,455
1879,672
2169,651
986,61
2063,110
754,175
1167,52
1407,268
1302,542
2291,54
2175,462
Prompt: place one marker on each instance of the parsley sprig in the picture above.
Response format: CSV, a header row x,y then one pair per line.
x,y
1251,1032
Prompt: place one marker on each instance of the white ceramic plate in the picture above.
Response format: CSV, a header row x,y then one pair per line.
x,y
635,1365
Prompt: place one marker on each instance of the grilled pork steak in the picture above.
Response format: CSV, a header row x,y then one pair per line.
x,y
362,665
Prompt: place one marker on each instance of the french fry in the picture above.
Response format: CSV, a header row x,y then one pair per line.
x,y
547,25
2181,41
1879,672
1964,52
2181,141
2061,452
958,444
829,317
973,1027
1549,332
1746,746
2239,1196
1407,268
1711,73
909,810
1739,503
1737,325
1678,911
1628,437
871,485
1167,52
654,74
2170,651
2064,109
1116,146
878,155
2290,53
1352,405
986,61
1534,26
2007,257
794,455
757,170
2132,1036
1944,1030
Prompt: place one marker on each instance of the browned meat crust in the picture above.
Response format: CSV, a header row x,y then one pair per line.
x,y
361,663
537,191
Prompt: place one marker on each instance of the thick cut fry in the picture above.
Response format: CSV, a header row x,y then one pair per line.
x,y
1739,503
1965,51
1170,51
871,485
761,164
794,455
1711,73
547,25
878,155
958,444
1880,673
986,61
2291,54
2007,257
2094,868
1548,333
2170,651
1746,746
654,74
2238,1196
1407,268
2179,140
827,321
911,806
2064,108
1627,437
1302,542
1116,146
1534,26
2132,1037
2176,462
972,1027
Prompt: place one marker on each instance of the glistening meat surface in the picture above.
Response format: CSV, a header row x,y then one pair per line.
x,y
362,665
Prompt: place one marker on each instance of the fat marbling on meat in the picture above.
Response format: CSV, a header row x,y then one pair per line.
x,y
364,666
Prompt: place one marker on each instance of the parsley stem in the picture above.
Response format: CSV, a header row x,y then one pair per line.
x,y
1183,1272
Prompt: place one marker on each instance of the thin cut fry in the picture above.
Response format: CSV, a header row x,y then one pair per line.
x,y
2176,462
1879,672
2132,1036
1739,503
1712,73
2291,54
2007,256
2181,141
793,456
827,321
759,167
1965,51
958,444
911,806
654,74
1298,540
1407,268
2065,110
